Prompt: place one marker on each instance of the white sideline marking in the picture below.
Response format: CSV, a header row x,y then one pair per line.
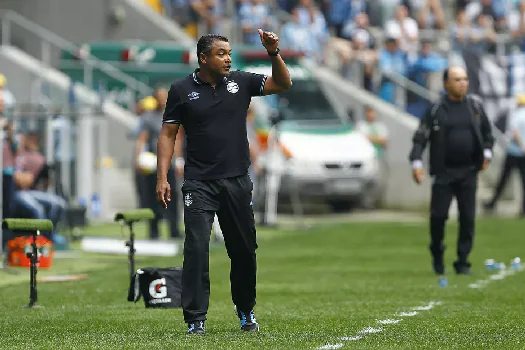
x,y
331,346
496,277
388,321
406,314
351,338
427,307
370,330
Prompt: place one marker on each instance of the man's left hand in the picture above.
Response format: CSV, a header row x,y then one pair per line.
x,y
485,164
269,40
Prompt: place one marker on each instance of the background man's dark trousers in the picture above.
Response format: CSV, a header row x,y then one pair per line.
x,y
511,162
231,199
444,188
150,199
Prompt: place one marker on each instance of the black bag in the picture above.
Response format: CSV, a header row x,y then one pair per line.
x,y
160,287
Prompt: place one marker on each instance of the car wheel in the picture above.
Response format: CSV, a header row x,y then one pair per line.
x,y
372,197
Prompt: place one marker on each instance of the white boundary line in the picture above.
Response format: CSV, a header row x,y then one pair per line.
x,y
414,311
378,329
502,274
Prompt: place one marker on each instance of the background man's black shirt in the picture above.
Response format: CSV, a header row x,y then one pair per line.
x,y
461,145
214,121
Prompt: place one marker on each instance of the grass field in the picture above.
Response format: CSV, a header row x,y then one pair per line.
x,y
314,288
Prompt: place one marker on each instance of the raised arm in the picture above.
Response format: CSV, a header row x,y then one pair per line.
x,y
280,79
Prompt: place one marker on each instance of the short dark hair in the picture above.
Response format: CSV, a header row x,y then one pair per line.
x,y
205,42
445,75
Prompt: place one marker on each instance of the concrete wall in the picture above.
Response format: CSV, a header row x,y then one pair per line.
x,y
82,21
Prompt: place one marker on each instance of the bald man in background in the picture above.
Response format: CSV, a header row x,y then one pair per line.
x,y
460,139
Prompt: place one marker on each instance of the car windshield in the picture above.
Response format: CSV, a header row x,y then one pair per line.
x,y
306,101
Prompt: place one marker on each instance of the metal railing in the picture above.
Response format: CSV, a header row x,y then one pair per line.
x,y
50,41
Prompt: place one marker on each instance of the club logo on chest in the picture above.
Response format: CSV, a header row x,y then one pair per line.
x,y
232,87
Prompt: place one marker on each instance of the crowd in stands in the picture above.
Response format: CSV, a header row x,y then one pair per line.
x,y
27,178
375,43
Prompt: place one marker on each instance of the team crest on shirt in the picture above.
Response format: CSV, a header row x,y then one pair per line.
x,y
187,199
232,87
193,95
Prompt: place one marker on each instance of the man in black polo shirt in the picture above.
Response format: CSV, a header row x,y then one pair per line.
x,y
460,137
212,105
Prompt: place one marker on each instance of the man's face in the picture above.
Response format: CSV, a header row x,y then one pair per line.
x,y
219,59
457,83
401,12
31,142
361,20
370,115
391,45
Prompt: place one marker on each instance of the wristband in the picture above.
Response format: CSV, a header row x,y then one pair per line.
x,y
275,53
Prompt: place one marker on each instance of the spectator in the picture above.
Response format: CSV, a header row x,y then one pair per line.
x,y
356,49
516,25
515,157
374,130
179,11
9,149
483,34
496,9
385,10
360,22
474,8
253,15
64,136
149,134
342,13
365,56
32,181
392,60
403,28
201,11
338,15
461,31
308,14
300,37
419,71
147,104
285,5
431,15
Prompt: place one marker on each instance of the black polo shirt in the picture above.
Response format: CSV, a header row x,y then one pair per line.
x,y
214,121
